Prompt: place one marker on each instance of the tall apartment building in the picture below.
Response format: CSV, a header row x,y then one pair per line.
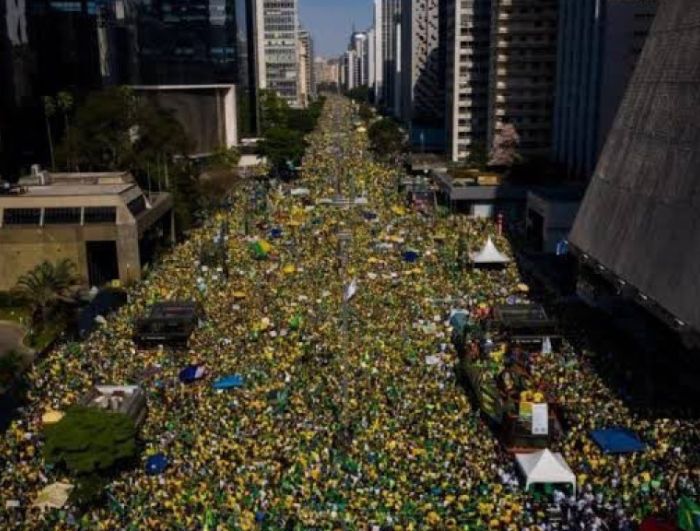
x,y
371,58
467,66
599,44
423,67
387,22
360,45
350,70
277,30
306,68
523,70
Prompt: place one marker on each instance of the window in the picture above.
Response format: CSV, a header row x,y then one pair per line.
x,y
59,216
21,216
101,215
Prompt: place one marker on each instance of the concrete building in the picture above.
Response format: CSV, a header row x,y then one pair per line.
x,y
523,69
371,58
206,112
467,66
350,61
598,47
277,32
307,75
103,222
387,20
423,69
639,223
327,71
359,44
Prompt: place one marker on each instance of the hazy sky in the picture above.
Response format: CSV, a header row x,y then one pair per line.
x,y
330,22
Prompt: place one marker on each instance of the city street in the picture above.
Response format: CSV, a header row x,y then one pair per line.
x,y
335,313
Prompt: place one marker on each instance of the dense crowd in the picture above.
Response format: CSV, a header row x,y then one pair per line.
x,y
350,414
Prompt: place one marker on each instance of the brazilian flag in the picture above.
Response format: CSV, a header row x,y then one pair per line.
x,y
260,249
688,515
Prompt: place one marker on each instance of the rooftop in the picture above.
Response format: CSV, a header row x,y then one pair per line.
x,y
69,190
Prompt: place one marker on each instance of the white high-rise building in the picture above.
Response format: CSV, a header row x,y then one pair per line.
x,y
277,33
371,58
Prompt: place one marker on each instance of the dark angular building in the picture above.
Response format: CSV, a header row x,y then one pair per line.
x,y
199,42
47,47
639,223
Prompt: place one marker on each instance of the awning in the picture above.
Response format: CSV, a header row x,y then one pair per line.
x,y
489,254
545,467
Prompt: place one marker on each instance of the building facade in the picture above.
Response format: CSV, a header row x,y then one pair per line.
x,y
599,44
104,223
423,69
307,75
467,68
278,42
387,25
206,42
523,70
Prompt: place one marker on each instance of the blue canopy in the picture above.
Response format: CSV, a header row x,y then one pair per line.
x,y
229,382
191,373
617,441
156,464
410,256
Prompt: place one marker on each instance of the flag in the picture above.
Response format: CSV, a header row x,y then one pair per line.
x,y
688,514
350,291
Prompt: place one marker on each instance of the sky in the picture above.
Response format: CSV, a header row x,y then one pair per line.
x,y
330,22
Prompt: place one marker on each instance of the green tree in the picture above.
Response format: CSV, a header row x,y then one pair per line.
x,y
365,112
282,146
273,111
46,286
359,94
88,440
386,138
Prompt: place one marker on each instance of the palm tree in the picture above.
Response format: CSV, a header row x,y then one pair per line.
x,y
46,286
49,111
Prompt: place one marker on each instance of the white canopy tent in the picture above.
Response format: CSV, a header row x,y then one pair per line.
x,y
489,254
545,467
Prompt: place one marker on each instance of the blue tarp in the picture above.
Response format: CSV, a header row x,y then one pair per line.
x,y
191,373
617,441
276,233
156,464
410,256
229,382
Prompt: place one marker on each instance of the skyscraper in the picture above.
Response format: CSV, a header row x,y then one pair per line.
x,y
199,42
599,44
306,68
387,20
47,47
423,68
277,28
522,72
467,66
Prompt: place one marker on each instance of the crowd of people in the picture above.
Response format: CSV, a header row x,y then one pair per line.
x,y
350,415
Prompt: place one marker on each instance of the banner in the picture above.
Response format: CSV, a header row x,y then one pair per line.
x,y
350,291
540,419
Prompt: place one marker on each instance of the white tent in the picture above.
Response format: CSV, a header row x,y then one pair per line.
x,y
489,255
545,467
